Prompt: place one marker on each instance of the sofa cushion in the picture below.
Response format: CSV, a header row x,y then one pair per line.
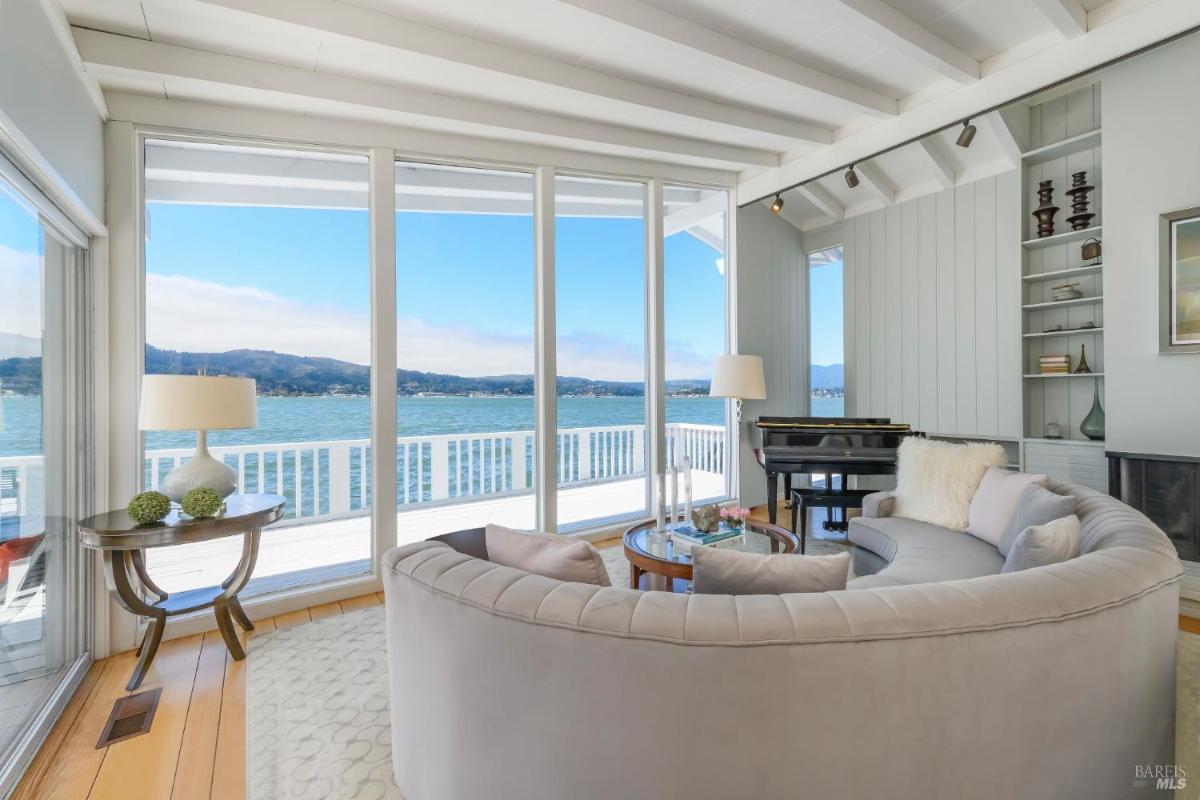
x,y
723,571
1036,506
920,553
935,481
996,501
1042,545
547,554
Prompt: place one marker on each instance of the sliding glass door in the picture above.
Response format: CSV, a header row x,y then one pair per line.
x,y
257,265
600,282
43,449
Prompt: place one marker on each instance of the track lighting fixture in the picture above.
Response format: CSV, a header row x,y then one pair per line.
x,y
777,206
967,134
851,177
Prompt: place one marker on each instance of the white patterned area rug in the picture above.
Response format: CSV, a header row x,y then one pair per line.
x,y
317,707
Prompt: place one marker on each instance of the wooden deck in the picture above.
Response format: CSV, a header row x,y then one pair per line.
x,y
304,554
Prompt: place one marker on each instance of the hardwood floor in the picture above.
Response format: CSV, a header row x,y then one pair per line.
x,y
196,748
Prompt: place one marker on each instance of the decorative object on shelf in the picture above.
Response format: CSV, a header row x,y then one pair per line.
x,y
707,518
1046,210
735,516
1054,364
1080,218
148,507
1055,328
200,403
1066,291
1083,368
1053,430
202,503
740,377
1179,282
1086,326
1091,251
1093,424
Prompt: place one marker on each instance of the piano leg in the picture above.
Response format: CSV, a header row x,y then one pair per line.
x,y
772,495
787,489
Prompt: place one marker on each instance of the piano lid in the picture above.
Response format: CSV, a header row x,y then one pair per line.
x,y
832,424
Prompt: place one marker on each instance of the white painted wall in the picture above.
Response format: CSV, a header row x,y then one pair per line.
x,y
1151,160
933,311
772,314
45,107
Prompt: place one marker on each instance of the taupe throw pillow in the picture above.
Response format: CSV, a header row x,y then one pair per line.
x,y
548,554
1042,545
717,570
1036,506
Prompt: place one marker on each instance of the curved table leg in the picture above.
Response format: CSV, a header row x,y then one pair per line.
x,y
225,626
118,565
239,614
226,606
147,650
139,565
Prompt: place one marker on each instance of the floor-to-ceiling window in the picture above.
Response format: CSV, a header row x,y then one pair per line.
x,y
600,303
464,300
825,354
257,265
43,451
695,332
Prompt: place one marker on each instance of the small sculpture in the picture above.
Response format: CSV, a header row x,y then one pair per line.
x,y
707,518
1046,210
1066,291
1080,219
1083,368
148,507
202,502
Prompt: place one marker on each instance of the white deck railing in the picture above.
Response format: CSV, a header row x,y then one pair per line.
x,y
331,479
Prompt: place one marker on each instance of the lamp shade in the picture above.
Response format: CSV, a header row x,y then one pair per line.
x,y
740,377
196,403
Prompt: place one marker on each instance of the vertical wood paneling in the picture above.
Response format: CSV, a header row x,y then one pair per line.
x,y
1008,301
987,409
928,318
862,292
893,268
946,301
964,308
910,339
879,303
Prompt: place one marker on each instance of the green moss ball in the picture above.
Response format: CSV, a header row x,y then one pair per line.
x,y
148,507
201,503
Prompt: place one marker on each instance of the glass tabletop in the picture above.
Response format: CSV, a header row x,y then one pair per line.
x,y
670,548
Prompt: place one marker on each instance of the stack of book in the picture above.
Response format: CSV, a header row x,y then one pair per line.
x,y
723,536
1051,364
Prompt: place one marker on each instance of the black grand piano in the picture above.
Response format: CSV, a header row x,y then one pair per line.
x,y
828,446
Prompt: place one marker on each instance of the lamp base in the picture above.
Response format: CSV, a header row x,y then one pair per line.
x,y
199,471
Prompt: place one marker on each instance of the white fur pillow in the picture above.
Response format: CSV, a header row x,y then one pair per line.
x,y
935,481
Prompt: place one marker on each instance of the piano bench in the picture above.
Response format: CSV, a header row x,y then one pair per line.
x,y
804,499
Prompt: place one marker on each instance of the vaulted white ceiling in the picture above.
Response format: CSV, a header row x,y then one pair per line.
x,y
775,90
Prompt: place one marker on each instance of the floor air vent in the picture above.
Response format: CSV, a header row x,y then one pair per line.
x,y
130,716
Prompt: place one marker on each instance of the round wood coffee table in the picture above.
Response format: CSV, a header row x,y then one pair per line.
x,y
656,563
123,543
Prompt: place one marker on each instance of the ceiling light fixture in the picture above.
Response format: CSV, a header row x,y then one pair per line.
x,y
851,177
777,206
967,135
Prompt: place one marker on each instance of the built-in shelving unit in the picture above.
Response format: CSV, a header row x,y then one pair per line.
x,y
1064,136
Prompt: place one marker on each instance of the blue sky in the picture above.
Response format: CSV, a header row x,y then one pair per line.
x,y
825,310
296,280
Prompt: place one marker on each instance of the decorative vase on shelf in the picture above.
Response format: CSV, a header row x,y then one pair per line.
x,y
1083,368
1080,219
1046,210
1093,424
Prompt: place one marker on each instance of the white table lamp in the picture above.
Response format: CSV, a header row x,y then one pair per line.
x,y
200,403
739,377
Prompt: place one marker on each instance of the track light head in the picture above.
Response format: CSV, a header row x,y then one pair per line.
x,y
777,206
851,177
967,134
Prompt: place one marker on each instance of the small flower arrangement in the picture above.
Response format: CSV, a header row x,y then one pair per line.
x,y
735,516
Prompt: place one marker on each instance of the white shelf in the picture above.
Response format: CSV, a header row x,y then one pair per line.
x,y
1083,442
1062,238
1064,375
1075,144
1072,332
1074,272
1081,301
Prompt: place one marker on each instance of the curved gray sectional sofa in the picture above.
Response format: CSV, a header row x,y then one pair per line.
x,y
1048,683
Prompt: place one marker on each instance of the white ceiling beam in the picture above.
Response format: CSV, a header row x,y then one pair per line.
x,y
707,237
1006,135
875,183
696,213
106,53
1068,16
820,197
886,25
753,61
361,26
940,164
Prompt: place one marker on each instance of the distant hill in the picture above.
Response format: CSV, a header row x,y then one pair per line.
x,y
827,377
289,375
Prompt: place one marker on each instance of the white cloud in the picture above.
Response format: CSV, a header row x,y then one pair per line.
x,y
201,316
